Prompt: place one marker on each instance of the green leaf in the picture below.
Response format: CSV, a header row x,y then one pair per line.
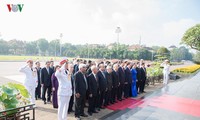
x,y
21,89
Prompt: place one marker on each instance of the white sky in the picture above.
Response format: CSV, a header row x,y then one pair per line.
x,y
95,21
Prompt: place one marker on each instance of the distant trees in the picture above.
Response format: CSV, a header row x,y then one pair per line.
x,y
162,54
181,53
197,58
52,48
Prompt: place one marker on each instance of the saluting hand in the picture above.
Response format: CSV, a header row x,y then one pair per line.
x,y
77,95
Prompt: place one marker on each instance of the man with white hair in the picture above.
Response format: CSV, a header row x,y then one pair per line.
x,y
81,87
31,79
93,87
116,82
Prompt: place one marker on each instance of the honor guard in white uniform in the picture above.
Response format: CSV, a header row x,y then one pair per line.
x,y
166,71
30,81
64,89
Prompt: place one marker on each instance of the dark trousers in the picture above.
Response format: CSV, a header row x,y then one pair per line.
x,y
126,90
138,83
142,85
79,105
120,91
38,92
92,102
71,102
48,90
114,93
108,97
102,97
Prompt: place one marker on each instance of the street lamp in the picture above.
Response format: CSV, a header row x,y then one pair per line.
x,y
117,31
61,35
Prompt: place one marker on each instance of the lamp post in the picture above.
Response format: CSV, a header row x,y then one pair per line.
x,y
117,31
61,35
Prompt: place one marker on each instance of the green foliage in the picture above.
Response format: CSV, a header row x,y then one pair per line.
x,y
192,37
179,54
13,96
154,71
162,53
197,58
43,45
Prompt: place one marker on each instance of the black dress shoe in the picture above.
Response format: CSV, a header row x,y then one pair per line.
x,y
98,109
90,113
102,107
45,102
84,115
95,111
78,118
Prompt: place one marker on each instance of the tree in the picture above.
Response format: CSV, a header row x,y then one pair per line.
x,y
31,48
4,48
162,53
43,45
192,37
179,54
197,58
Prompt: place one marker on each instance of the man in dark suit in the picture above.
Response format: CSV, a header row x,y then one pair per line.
x,y
138,81
116,83
81,87
121,80
108,97
38,88
128,80
52,65
102,84
143,77
46,74
93,86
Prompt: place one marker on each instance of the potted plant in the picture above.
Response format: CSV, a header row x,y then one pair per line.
x,y
12,96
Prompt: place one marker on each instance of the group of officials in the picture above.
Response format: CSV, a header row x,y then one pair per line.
x,y
79,82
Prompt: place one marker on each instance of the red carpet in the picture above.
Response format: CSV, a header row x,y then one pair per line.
x,y
127,103
177,104
172,103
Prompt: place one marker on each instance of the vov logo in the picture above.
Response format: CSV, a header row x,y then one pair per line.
x,y
15,7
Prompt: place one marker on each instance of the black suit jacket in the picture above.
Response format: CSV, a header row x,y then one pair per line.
x,y
143,74
138,73
109,80
102,81
93,85
128,75
46,77
80,85
121,75
39,76
115,79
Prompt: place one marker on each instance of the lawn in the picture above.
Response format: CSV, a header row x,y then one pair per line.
x,y
24,58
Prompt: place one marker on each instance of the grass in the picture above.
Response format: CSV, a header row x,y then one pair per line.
x,y
24,58
34,58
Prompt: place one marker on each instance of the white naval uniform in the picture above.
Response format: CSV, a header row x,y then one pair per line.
x,y
64,92
165,73
30,81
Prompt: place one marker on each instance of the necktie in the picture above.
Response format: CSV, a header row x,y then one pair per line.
x,y
103,75
85,82
48,70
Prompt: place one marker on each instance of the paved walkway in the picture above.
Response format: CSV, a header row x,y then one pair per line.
x,y
177,101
